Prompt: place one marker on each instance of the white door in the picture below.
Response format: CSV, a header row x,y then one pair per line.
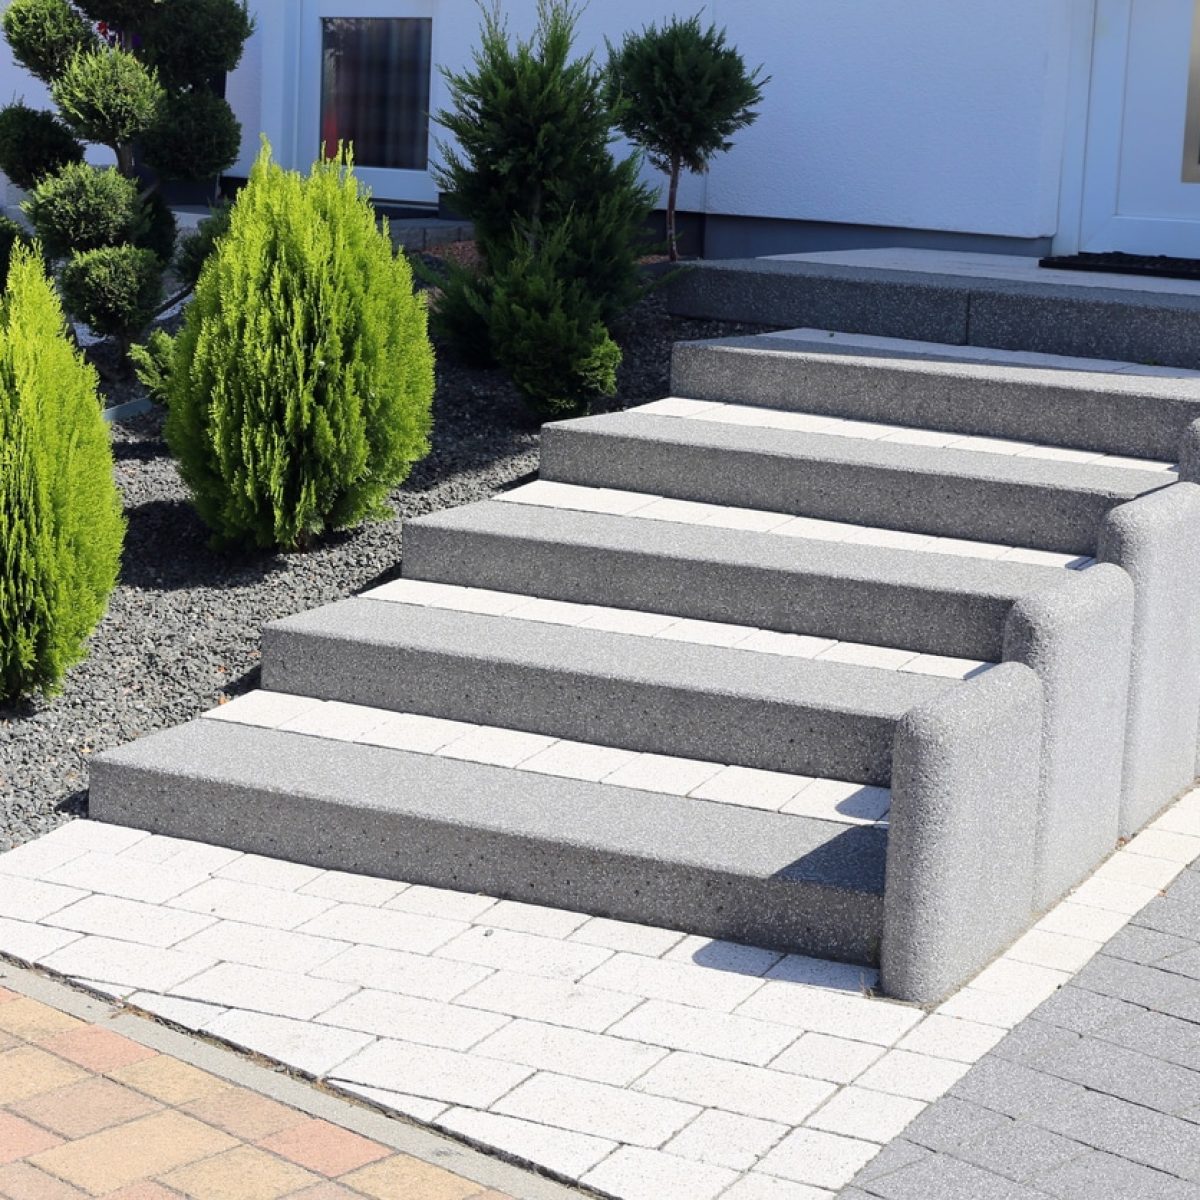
x,y
367,69
1142,175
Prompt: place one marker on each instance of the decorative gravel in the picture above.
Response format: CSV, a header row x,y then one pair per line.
x,y
183,624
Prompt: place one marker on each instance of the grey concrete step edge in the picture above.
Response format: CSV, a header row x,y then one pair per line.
x,y
1156,540
934,603
1113,414
1088,322
952,493
710,869
1072,628
800,716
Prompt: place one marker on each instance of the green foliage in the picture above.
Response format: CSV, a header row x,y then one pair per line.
x,y
152,364
195,247
61,526
533,129
547,333
196,136
459,312
299,389
33,144
158,229
108,96
11,236
116,290
83,208
191,42
681,92
45,35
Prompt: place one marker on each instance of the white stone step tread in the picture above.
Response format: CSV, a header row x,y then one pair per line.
x,y
646,506
798,795
518,606
799,422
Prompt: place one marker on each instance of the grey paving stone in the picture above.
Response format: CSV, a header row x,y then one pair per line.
x,y
953,1122
1099,1176
1084,1012
943,1178
1021,1152
1172,915
1139,944
1186,963
1128,1131
895,1156
1159,1036
1175,995
1014,1090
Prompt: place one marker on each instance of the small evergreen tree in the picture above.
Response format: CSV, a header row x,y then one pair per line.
x,y
680,93
532,162
135,76
300,387
61,526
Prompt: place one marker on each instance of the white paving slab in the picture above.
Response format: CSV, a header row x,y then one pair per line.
x,y
636,1060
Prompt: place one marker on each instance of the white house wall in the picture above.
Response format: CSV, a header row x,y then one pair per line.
x,y
926,114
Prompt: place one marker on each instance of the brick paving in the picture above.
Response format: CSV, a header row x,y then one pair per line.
x,y
87,1112
1096,1096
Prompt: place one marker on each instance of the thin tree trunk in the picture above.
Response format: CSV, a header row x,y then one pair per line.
x,y
672,198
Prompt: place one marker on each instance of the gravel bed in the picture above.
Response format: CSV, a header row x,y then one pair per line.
x,y
183,624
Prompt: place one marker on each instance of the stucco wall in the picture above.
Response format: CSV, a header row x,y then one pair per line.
x,y
947,114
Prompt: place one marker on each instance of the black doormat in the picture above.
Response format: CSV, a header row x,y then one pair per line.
x,y
1118,263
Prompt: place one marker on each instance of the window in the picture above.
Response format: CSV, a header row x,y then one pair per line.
x,y
375,75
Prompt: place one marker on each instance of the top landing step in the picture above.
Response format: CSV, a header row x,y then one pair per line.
x,y
1001,301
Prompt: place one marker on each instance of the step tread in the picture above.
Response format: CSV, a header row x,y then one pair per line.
x,y
834,800
582,653
1116,483
879,543
438,791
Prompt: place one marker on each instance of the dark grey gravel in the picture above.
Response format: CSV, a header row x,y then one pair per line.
x,y
183,624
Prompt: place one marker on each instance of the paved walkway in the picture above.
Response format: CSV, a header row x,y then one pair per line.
x,y
1095,1097
641,1063
86,1111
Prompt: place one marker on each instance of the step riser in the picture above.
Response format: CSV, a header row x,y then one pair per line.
x,y
979,509
567,703
185,797
786,600
1111,415
1128,326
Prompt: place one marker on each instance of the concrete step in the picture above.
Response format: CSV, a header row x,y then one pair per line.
x,y
951,492
1090,405
720,870
753,709
937,604
935,296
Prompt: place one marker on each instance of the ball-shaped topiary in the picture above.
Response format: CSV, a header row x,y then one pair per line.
x,y
33,144
83,208
108,96
61,526
191,42
300,387
45,35
196,136
116,290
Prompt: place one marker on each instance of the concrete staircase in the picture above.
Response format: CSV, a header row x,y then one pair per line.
x,y
869,657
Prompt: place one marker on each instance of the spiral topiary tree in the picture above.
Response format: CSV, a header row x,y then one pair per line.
x,y
61,526
138,77
299,390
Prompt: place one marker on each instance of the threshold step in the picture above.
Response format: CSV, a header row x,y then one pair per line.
x,y
720,870
934,490
801,716
1097,405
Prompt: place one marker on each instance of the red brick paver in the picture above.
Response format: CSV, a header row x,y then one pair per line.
x,y
85,1112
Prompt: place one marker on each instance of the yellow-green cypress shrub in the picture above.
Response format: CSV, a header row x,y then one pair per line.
x,y
61,526
300,387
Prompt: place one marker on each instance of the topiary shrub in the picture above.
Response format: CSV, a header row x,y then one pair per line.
x,y
116,290
547,333
193,131
11,236
33,144
195,247
61,526
299,389
158,229
45,35
190,42
84,208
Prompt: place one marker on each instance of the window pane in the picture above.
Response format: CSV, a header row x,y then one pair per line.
x,y
375,89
